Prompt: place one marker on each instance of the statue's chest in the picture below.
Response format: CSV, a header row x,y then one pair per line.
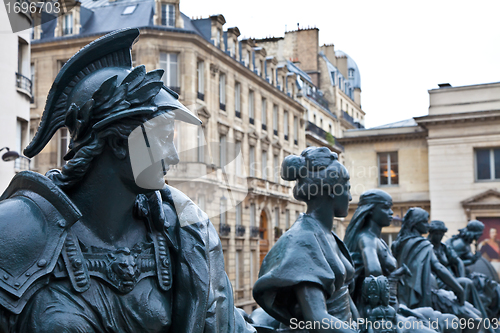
x,y
122,269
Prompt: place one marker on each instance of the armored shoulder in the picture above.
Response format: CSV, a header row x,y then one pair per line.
x,y
34,218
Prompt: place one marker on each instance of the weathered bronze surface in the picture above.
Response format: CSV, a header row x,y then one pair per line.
x,y
102,246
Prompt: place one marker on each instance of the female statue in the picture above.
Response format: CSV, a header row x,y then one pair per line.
x,y
372,256
104,245
305,276
419,289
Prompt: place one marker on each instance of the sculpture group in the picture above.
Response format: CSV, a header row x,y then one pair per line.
x,y
105,246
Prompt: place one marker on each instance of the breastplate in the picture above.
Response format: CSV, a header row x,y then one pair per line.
x,y
121,269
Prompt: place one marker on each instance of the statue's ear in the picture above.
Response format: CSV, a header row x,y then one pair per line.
x,y
119,147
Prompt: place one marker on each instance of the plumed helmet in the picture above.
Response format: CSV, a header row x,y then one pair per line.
x,y
98,86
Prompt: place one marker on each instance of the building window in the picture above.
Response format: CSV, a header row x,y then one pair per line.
x,y
237,99
264,114
238,154
321,123
287,219
32,83
252,267
201,202
264,164
170,64
168,15
64,138
201,80
68,24
201,145
295,130
252,161
388,168
488,164
351,73
276,171
217,38
222,91
247,59
238,214
251,106
252,215
223,204
275,119
222,151
277,217
285,124
330,128
240,271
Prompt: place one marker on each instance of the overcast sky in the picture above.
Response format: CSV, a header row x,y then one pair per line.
x,y
402,48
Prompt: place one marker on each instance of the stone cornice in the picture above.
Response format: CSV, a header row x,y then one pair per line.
x,y
418,134
454,118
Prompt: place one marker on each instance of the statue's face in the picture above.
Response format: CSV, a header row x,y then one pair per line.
x,y
382,215
422,226
436,236
342,194
152,151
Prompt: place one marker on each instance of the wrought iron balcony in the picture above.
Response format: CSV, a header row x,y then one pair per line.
x,y
275,132
201,96
277,232
240,231
224,229
254,232
318,97
238,114
264,127
350,119
251,120
318,131
286,137
222,106
22,82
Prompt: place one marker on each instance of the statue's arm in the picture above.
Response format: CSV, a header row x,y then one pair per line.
x,y
312,303
368,247
455,260
445,275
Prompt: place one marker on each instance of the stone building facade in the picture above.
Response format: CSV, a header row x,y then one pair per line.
x,y
15,86
447,162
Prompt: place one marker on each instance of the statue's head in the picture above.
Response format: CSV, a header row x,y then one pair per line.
x,y
437,229
373,205
472,232
319,173
415,219
110,107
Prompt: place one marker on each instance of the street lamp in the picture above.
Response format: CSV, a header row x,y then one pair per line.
x,y
11,155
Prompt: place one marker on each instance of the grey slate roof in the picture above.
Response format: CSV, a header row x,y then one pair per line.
x,y
402,123
101,16
294,69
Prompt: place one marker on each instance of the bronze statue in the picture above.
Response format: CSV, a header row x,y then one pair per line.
x,y
418,290
372,257
381,317
104,245
461,243
306,275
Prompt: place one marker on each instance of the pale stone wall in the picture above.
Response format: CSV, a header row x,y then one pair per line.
x,y
481,97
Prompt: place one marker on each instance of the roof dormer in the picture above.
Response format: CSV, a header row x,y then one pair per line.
x,y
217,22
247,46
168,14
69,23
232,42
259,61
271,63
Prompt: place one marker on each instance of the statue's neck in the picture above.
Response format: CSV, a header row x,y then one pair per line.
x,y
107,206
322,210
374,228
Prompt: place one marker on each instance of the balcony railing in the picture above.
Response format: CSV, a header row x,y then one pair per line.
x,y
240,231
275,132
176,89
350,119
201,96
22,82
251,120
318,97
286,137
224,229
264,127
238,114
311,127
254,232
222,106
277,232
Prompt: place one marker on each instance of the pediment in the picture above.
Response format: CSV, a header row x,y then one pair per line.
x,y
487,198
